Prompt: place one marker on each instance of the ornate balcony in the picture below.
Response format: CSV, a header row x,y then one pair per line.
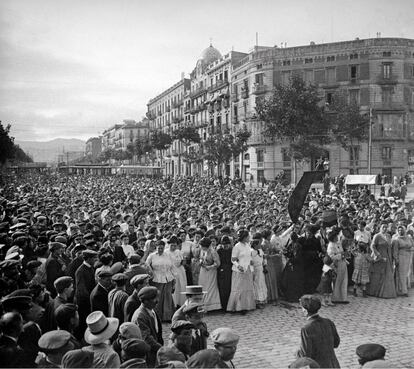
x,y
259,89
219,84
199,91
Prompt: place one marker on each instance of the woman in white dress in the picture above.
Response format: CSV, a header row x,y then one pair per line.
x,y
209,262
242,296
180,278
259,282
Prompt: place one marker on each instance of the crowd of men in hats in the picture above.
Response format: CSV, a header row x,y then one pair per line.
x,y
91,267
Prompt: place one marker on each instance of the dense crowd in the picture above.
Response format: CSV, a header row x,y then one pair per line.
x,y
92,266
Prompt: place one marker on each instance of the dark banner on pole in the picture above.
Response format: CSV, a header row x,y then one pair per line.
x,y
298,196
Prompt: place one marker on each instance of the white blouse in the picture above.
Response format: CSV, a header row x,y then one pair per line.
x,y
162,266
243,253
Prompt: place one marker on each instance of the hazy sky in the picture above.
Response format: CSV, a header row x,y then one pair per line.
x,y
73,68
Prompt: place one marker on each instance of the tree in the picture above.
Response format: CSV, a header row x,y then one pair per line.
x,y
140,147
186,135
221,148
349,126
294,113
8,149
160,141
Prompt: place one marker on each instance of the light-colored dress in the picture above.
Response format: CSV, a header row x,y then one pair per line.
x,y
241,295
402,248
259,282
208,279
335,251
381,275
180,277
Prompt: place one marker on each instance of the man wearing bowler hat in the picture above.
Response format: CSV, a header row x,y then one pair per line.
x,y
194,294
99,295
149,322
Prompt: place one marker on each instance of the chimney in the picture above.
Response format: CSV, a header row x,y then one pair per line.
x,y
182,75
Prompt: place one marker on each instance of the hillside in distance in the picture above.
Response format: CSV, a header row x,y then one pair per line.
x,y
48,151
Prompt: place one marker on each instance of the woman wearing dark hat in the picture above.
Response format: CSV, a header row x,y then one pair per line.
x,y
209,262
224,271
164,279
241,296
311,249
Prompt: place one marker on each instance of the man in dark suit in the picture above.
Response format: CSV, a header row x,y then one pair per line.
x,y
319,336
55,267
11,325
149,322
77,260
85,283
99,295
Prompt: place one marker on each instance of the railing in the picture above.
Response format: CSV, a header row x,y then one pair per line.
x,y
150,116
244,93
168,109
234,98
258,89
220,83
197,92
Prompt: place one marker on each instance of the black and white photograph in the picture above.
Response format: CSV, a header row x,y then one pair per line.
x,y
206,184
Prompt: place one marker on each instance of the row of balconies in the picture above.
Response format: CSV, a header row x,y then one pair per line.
x,y
197,92
219,84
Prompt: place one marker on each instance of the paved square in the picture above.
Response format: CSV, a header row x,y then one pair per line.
x,y
270,337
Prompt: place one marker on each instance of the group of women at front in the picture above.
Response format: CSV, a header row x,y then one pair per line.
x,y
256,269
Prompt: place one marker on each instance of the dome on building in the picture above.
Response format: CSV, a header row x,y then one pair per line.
x,y
210,54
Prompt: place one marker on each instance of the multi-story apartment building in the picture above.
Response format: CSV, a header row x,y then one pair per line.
x,y
378,74
118,136
93,147
165,112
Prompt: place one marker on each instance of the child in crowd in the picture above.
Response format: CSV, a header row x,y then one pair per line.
x,y
362,263
327,279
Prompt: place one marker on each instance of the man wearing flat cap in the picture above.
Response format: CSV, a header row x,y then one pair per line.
x,y
149,322
64,288
133,354
55,344
319,336
99,295
194,313
118,297
180,347
372,355
133,302
225,342
10,276
55,267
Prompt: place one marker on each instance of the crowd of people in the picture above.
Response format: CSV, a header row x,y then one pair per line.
x,y
90,267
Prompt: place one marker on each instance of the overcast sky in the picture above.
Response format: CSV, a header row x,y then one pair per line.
x,y
73,68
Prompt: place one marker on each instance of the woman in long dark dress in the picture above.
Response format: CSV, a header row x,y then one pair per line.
x,y
293,273
224,271
312,251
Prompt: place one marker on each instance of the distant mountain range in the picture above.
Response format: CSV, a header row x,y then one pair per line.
x,y
48,151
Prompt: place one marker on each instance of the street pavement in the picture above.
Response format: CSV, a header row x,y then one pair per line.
x,y
270,337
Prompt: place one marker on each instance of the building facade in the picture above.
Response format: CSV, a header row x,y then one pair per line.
x,y
93,147
378,74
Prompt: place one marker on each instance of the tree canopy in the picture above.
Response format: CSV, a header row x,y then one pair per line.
x,y
8,149
160,140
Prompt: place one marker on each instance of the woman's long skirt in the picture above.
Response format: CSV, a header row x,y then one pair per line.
x,y
224,273
208,279
165,306
241,295
180,284
340,291
403,271
274,264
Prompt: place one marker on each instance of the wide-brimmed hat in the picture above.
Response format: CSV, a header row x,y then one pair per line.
x,y
193,290
100,328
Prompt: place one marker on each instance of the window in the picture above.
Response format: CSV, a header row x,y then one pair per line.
x,y
226,75
330,75
330,59
354,156
259,66
260,158
286,157
386,153
308,60
353,56
285,78
354,97
386,95
260,175
329,98
308,76
258,78
353,71
286,63
389,126
386,70
386,54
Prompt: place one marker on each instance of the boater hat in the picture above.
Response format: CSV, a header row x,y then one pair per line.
x,y
193,290
100,328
